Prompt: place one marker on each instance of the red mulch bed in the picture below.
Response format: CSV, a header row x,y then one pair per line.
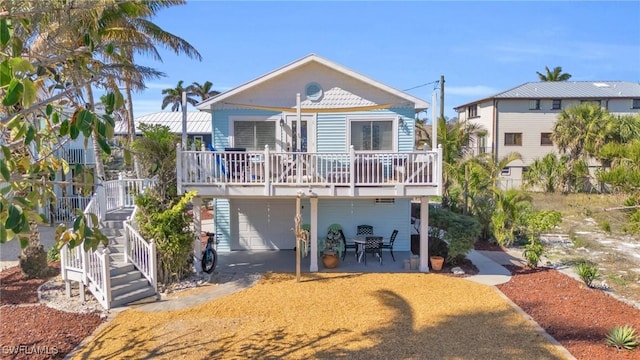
x,y
577,316
29,330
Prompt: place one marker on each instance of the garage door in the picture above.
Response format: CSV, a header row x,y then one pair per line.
x,y
264,224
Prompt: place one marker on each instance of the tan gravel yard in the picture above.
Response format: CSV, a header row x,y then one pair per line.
x,y
354,316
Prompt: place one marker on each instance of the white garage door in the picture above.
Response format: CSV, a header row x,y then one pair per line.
x,y
264,224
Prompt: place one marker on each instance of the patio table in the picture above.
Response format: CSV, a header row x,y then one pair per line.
x,y
360,241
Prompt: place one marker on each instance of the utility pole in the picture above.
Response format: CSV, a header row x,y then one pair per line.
x,y
442,96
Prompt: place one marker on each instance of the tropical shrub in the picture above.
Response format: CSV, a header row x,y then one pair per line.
x,y
533,251
170,227
622,337
587,273
459,231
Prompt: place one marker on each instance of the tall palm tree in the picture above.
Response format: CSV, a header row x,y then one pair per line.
x,y
204,91
173,96
546,172
553,75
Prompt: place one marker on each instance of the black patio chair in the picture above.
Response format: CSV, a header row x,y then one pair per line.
x,y
365,230
389,246
353,246
373,245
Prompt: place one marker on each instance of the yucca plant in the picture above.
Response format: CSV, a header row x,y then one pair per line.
x,y
623,337
587,272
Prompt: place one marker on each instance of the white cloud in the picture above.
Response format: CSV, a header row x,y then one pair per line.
x,y
476,90
160,86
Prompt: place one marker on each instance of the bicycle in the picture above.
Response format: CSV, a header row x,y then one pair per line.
x,y
209,255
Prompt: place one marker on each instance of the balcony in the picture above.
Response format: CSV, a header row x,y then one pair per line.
x,y
346,174
76,155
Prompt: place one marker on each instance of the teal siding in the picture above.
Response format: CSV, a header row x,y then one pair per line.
x,y
220,124
406,132
221,216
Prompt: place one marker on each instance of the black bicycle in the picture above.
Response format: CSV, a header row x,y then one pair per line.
x,y
209,255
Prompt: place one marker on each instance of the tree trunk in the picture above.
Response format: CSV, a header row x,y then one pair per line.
x,y
131,128
97,152
33,259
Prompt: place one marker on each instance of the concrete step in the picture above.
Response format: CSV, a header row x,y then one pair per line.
x,y
121,215
129,287
120,268
112,232
130,297
116,240
125,278
113,224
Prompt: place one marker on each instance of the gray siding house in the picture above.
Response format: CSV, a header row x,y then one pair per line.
x,y
521,119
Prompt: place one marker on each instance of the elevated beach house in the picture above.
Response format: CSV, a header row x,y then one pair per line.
x,y
340,141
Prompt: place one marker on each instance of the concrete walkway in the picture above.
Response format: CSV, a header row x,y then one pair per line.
x,y
490,271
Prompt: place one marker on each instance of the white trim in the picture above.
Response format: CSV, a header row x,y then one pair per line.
x,y
419,104
289,119
234,118
394,129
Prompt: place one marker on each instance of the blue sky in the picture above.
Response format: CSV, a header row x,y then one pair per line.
x,y
480,47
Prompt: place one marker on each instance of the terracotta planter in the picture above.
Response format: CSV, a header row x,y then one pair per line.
x,y
436,262
330,260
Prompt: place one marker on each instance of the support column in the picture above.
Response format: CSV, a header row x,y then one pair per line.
x,y
314,234
197,228
424,234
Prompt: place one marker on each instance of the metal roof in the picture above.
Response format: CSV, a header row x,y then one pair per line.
x,y
198,122
568,90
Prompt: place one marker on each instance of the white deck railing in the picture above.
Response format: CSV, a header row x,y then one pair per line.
x,y
92,268
139,252
303,169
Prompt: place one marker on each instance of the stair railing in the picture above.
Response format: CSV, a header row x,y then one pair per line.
x,y
138,251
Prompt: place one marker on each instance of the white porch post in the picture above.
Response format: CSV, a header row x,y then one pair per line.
x,y
197,227
314,234
424,234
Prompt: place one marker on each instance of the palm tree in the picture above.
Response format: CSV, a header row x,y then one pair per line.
x,y
580,132
555,75
510,205
546,172
203,91
174,96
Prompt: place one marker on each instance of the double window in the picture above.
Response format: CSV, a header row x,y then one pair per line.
x,y
372,135
254,135
513,139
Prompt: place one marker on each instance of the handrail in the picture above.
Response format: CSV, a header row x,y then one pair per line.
x,y
139,252
304,168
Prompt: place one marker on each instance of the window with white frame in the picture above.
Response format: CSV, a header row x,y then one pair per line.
x,y
372,134
254,135
534,104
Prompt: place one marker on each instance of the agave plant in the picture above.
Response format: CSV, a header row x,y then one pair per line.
x,y
623,337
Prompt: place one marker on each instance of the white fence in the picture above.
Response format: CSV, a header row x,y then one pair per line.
x,y
87,267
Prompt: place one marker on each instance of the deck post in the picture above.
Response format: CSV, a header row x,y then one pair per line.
x,y
424,234
314,232
197,228
352,170
267,171
179,168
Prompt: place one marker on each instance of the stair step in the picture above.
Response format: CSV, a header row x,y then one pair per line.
x,y
125,278
129,287
120,268
112,232
116,248
132,296
113,224
120,215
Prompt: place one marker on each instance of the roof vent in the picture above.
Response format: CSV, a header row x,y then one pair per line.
x,y
600,84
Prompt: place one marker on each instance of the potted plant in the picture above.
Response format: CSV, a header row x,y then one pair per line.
x,y
331,247
438,252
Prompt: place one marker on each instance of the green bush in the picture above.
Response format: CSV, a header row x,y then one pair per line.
x,y
606,226
587,272
623,337
438,247
459,231
533,251
53,254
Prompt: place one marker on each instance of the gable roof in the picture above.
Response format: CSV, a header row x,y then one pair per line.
x,y
419,104
568,90
198,122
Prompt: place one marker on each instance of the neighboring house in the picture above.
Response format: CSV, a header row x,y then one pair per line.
x,y
521,119
313,129
198,124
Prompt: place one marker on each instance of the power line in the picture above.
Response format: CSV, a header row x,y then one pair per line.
x,y
437,82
